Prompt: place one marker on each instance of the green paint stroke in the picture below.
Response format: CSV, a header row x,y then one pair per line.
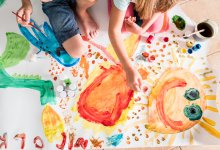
x,y
179,22
34,77
192,94
193,112
2,2
16,50
46,88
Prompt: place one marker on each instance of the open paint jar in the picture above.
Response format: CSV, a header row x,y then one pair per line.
x,y
210,29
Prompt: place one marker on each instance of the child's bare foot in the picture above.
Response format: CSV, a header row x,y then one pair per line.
x,y
89,25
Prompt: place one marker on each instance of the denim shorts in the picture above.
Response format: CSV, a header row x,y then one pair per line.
x,y
62,18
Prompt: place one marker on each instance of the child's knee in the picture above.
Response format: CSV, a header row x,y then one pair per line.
x,y
75,46
77,52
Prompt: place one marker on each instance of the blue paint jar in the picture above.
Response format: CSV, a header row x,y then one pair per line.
x,y
190,51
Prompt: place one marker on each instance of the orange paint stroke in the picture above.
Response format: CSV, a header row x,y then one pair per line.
x,y
144,74
85,65
170,84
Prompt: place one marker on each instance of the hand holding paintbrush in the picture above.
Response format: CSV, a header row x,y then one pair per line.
x,y
24,13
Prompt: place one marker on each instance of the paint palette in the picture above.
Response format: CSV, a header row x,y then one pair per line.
x,y
178,108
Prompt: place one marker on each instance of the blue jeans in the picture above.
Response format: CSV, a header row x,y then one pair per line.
x,y
62,18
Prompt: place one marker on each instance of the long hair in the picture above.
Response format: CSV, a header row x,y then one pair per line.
x,y
146,8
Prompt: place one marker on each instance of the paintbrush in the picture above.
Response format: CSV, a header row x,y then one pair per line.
x,y
187,36
30,23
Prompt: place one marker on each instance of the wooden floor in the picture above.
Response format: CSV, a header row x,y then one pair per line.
x,y
200,10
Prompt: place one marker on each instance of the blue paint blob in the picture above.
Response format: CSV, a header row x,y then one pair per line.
x,y
114,140
198,46
190,51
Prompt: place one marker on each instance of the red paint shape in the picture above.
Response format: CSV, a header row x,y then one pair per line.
x,y
150,39
84,145
22,137
145,54
90,104
81,142
37,138
170,84
4,141
166,39
62,145
151,58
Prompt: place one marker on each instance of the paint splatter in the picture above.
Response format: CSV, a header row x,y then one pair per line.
x,y
52,124
85,65
114,140
46,89
179,22
96,142
193,112
16,50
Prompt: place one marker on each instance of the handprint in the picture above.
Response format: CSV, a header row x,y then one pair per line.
x,y
47,42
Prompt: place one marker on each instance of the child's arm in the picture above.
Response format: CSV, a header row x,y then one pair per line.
x,y
25,11
116,20
131,26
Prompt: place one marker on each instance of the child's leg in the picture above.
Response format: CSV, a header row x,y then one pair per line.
x,y
62,20
89,25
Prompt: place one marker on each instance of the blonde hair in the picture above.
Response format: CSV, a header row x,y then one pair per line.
x,y
146,8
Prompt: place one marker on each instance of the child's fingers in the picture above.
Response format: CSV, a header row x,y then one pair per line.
x,y
20,13
27,16
129,22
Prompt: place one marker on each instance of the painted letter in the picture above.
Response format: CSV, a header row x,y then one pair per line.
x,y
22,137
37,138
62,145
4,141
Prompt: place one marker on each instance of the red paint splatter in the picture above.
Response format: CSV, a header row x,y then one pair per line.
x,y
55,78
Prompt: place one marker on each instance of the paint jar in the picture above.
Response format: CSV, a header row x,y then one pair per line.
x,y
210,27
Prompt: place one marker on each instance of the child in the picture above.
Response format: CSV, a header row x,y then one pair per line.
x,y
62,15
149,11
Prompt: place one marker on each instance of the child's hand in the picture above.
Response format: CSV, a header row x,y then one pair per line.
x,y
134,79
131,26
25,12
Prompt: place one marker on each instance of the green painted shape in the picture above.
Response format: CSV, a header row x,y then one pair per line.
x,y
2,2
16,50
179,22
46,88
193,112
192,94
35,77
